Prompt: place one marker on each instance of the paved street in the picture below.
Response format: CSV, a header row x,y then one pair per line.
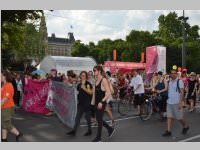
x,y
38,128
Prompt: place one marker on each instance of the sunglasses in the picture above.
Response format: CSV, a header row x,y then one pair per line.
x,y
94,70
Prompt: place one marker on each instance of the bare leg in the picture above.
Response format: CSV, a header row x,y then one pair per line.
x,y
191,105
109,112
169,124
4,133
138,109
14,131
183,123
164,114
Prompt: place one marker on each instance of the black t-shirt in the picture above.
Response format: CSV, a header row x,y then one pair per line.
x,y
191,85
84,99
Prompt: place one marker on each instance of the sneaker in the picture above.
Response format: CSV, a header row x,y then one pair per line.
x,y
4,140
167,133
96,139
185,130
72,133
88,133
111,132
19,136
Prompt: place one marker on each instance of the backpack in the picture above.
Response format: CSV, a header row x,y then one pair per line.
x,y
177,87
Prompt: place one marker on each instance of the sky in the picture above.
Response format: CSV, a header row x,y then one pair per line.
x,y
94,25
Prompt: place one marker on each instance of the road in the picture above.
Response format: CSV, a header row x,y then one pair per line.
x,y
38,128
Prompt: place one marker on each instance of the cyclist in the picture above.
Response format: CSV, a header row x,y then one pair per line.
x,y
138,89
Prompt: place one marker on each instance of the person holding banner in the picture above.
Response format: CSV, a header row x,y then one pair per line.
x,y
7,108
100,97
85,91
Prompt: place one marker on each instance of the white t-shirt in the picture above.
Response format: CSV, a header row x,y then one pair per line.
x,y
173,93
135,82
19,85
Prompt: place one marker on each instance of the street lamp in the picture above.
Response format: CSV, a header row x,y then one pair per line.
x,y
183,20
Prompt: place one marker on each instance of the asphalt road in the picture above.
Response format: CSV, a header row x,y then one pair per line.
x,y
38,128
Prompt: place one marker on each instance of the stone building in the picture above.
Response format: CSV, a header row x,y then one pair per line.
x,y
60,46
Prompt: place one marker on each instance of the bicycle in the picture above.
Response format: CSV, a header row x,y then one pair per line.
x,y
150,106
125,103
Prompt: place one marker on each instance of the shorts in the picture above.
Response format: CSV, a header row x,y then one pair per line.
x,y
6,116
191,97
174,112
139,99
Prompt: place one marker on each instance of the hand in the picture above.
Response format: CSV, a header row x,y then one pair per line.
x,y
83,87
192,94
158,91
100,106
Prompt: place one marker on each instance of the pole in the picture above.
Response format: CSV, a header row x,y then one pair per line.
x,y
183,44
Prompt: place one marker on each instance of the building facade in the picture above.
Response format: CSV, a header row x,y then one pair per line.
x,y
60,46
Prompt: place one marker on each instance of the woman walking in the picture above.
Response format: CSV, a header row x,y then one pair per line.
x,y
101,95
7,108
192,86
84,102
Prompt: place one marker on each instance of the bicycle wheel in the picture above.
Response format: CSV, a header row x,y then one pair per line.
x,y
124,106
146,110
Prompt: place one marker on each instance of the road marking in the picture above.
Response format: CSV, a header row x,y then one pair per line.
x,y
190,138
121,119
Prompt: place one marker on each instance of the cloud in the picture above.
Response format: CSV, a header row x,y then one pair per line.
x,y
94,25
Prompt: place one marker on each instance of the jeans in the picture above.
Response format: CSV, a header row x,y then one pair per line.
x,y
101,122
81,110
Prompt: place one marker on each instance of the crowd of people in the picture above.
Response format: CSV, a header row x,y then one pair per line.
x,y
97,89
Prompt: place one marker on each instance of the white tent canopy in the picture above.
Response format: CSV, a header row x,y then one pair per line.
x,y
62,64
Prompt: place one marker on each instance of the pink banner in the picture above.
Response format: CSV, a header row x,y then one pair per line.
x,y
151,59
35,96
151,63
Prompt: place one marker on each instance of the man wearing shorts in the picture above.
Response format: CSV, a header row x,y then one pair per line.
x,y
174,103
138,88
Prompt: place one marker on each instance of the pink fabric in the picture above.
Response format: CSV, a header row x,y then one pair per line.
x,y
35,95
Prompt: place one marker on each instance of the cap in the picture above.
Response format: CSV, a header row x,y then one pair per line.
x,y
192,74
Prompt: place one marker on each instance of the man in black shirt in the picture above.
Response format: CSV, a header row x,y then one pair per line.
x,y
84,104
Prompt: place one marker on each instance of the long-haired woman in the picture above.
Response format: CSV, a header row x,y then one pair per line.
x,y
100,97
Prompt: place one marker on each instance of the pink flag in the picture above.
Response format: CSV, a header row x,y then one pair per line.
x,y
35,96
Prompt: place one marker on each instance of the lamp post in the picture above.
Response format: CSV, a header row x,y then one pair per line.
x,y
183,20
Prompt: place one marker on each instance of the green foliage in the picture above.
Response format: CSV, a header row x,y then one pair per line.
x,y
169,35
19,38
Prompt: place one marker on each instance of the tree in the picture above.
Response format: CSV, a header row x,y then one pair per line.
x,y
79,49
19,16
14,35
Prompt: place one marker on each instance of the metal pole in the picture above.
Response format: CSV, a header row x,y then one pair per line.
x,y
183,44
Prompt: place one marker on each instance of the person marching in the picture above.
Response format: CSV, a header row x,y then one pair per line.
x,y
85,91
192,87
100,96
7,107
174,103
